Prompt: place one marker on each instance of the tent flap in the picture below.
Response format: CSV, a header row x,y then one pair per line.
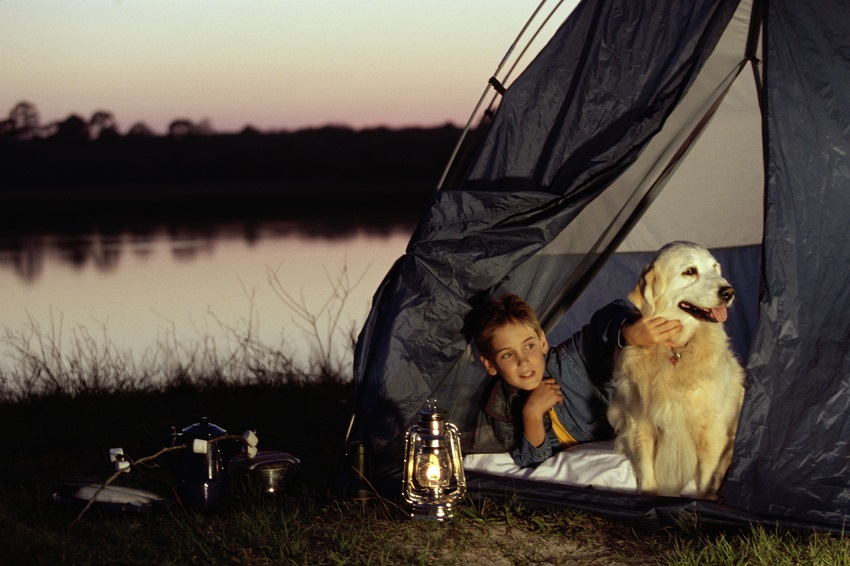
x,y
792,455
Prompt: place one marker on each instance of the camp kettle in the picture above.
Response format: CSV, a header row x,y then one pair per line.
x,y
199,469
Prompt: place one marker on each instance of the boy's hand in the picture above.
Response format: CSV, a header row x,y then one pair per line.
x,y
651,332
542,398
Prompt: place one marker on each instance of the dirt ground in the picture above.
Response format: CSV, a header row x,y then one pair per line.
x,y
497,544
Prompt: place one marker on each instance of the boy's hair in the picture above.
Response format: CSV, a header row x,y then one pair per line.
x,y
497,312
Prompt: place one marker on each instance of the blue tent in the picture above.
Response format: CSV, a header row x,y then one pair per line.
x,y
717,121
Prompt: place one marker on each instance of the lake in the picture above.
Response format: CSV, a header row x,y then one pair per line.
x,y
136,292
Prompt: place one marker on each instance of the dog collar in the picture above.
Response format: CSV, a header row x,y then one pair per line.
x,y
674,359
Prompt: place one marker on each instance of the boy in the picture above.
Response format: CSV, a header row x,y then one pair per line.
x,y
542,404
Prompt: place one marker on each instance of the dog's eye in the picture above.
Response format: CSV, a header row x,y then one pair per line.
x,y
690,271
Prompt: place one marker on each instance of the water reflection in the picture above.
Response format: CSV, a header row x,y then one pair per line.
x,y
178,290
27,254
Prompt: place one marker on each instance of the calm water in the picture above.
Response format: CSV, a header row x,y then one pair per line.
x,y
137,290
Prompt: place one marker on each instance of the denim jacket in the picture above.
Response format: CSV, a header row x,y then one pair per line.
x,y
582,366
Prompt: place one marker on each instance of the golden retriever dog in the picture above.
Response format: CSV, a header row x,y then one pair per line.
x,y
675,409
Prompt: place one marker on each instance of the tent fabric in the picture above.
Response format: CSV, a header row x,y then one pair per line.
x,y
647,511
792,455
591,152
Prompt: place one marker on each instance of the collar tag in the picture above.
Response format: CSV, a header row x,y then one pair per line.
x,y
674,359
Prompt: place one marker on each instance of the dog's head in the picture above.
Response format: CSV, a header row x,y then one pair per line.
x,y
683,282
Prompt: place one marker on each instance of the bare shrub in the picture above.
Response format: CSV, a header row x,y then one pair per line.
x,y
323,326
52,360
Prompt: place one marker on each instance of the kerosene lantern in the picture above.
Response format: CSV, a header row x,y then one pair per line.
x,y
433,471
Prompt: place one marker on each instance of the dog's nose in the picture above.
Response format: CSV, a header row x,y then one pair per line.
x,y
726,293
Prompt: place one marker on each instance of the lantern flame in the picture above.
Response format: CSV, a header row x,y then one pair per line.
x,y
433,470
433,474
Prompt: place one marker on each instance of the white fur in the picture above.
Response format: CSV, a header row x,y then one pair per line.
x,y
676,422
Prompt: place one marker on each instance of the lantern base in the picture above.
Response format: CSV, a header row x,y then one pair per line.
x,y
432,511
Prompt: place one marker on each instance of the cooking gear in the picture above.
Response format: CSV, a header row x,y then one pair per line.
x,y
202,478
268,472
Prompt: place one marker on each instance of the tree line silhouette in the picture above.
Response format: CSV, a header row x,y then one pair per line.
x,y
79,170
24,124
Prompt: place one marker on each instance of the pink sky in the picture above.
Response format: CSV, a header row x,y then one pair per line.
x,y
273,64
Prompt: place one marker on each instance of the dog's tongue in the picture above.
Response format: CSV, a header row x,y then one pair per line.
x,y
719,313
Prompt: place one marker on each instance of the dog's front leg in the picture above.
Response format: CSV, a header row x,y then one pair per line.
x,y
646,443
715,457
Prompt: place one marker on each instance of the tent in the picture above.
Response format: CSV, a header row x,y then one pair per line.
x,y
723,122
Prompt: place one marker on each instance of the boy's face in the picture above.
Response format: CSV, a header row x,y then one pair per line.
x,y
518,354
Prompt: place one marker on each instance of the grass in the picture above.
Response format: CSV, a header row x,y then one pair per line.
x,y
55,429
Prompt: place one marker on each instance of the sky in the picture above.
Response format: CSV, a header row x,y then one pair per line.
x,y
270,64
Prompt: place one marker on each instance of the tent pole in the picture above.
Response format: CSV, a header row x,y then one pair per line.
x,y
496,84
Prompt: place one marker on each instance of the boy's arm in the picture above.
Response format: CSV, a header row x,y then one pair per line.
x,y
646,332
538,440
526,455
539,401
533,428
598,339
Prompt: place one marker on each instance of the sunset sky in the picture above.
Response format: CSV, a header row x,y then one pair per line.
x,y
273,64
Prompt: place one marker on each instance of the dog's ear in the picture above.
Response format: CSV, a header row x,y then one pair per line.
x,y
643,295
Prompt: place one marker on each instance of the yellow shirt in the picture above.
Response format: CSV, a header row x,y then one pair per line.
x,y
562,433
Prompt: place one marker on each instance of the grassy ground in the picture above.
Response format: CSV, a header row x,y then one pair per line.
x,y
64,432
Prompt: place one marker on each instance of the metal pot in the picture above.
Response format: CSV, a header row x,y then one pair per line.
x,y
202,478
192,466
268,472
